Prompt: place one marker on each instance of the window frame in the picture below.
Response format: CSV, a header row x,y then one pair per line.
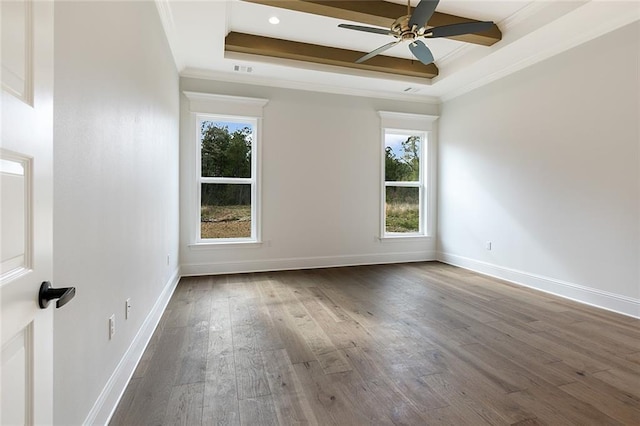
x,y
254,122
411,124
213,104
420,183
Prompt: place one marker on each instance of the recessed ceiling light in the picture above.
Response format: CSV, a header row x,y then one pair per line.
x,y
274,20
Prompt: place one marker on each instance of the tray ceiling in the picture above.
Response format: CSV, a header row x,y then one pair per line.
x,y
234,41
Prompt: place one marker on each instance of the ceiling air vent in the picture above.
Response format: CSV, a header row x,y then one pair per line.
x,y
411,90
242,68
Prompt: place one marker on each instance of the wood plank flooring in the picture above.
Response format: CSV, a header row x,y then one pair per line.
x,y
409,344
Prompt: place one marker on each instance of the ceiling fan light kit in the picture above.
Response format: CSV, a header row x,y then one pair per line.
x,y
413,26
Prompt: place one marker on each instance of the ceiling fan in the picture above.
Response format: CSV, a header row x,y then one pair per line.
x,y
413,26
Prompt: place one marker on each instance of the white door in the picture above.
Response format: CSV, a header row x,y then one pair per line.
x,y
26,189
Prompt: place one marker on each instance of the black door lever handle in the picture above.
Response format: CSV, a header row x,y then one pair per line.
x,y
48,293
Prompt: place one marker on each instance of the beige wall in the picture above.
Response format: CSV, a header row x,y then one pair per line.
x,y
116,189
546,164
321,171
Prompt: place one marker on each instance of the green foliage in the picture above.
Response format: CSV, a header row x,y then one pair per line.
x,y
402,217
394,168
225,154
402,203
220,194
402,209
406,167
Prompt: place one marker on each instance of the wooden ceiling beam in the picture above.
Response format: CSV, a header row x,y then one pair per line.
x,y
379,13
276,48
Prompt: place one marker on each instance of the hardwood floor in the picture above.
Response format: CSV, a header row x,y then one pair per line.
x,y
410,344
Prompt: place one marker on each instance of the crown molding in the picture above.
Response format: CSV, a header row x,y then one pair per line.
x,y
212,97
300,85
394,115
169,26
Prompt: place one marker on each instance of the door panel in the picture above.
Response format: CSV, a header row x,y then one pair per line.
x,y
17,43
26,233
17,356
15,198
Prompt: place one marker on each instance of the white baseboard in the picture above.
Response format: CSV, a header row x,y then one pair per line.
x,y
216,268
109,398
587,295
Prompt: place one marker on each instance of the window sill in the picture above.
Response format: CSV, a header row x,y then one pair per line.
x,y
404,238
224,245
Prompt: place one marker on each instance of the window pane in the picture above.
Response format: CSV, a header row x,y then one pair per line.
x,y
226,149
402,157
402,209
225,211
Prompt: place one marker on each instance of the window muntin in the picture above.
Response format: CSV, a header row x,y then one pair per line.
x,y
404,190
227,207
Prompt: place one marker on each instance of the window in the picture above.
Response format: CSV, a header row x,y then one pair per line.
x,y
222,202
405,185
403,182
227,184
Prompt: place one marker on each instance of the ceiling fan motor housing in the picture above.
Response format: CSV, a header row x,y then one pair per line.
x,y
401,29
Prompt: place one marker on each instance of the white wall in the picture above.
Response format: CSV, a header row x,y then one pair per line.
x,y
545,164
321,174
116,194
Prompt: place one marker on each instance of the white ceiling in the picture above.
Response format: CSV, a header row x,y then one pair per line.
x,y
532,30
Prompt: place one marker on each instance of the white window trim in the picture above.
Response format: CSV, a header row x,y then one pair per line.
x,y
229,108
424,125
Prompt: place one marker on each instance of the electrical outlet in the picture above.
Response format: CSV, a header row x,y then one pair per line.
x,y
112,326
127,308
488,245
